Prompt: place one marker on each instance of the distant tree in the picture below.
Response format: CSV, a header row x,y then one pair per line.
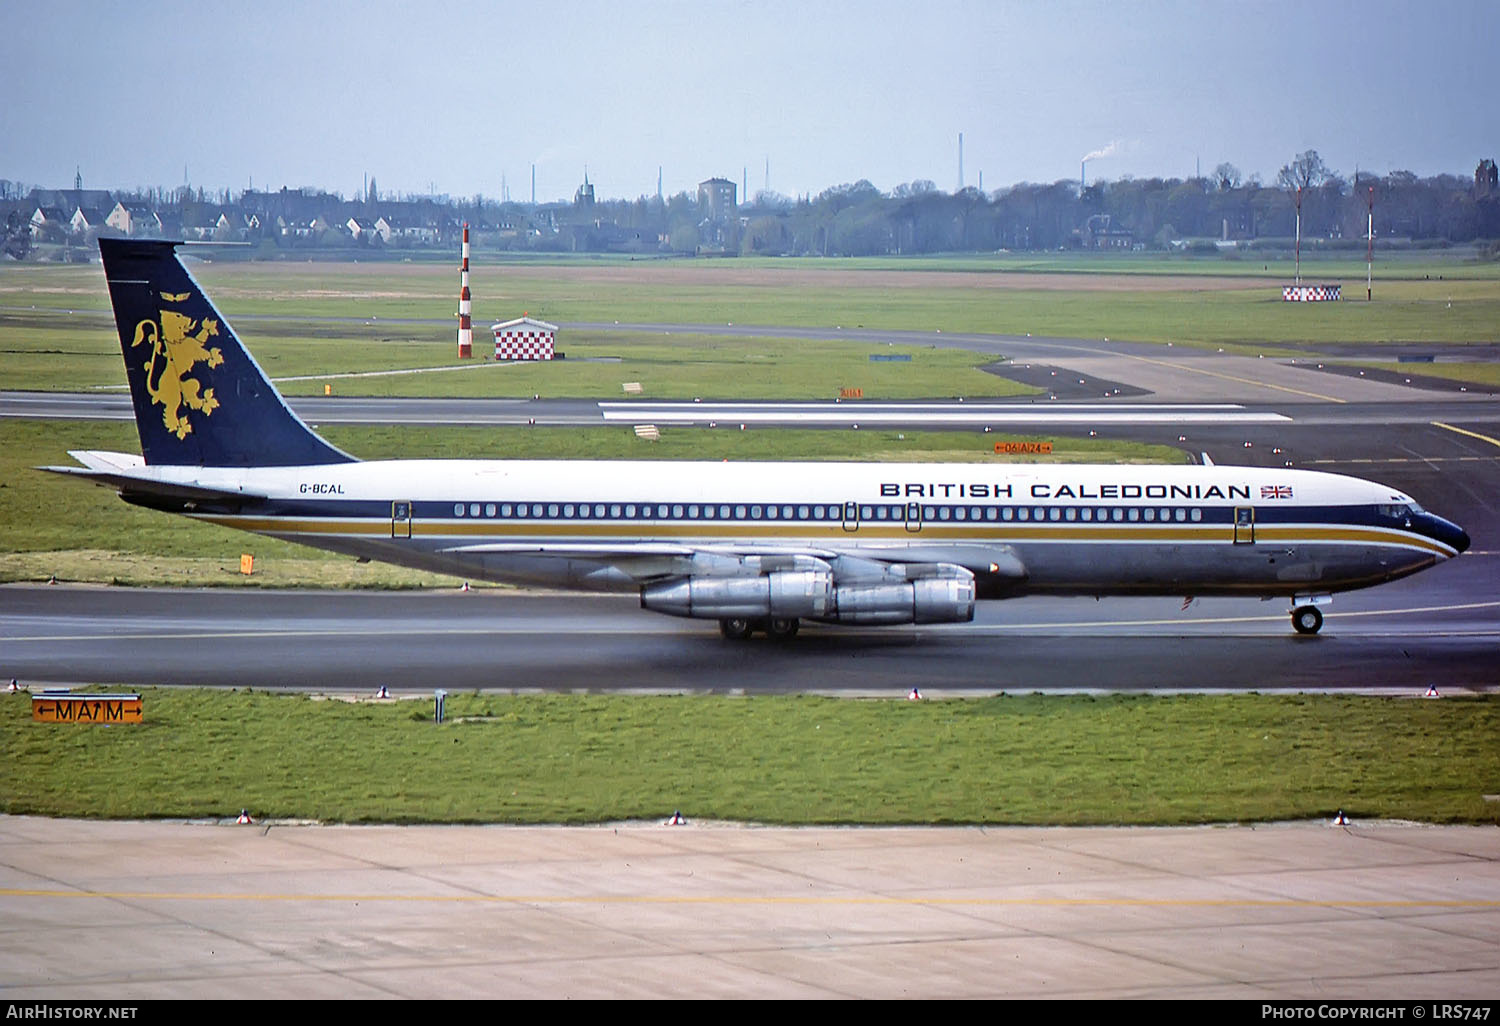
x,y
770,200
1306,172
907,190
683,238
17,243
1226,177
764,236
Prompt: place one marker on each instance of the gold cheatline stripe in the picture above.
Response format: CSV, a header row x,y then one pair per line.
x,y
944,531
730,899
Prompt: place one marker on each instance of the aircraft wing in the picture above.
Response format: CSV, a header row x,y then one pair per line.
x,y
648,560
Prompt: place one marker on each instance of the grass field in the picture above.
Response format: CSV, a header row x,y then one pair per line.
x,y
302,319
794,760
80,532
668,365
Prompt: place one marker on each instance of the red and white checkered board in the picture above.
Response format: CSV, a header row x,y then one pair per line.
x,y
1310,293
523,345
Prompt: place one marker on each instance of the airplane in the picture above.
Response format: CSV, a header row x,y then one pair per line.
x,y
759,547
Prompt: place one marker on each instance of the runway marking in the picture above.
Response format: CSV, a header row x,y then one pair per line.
x,y
1231,377
1208,620
1400,459
490,629
1471,434
871,415
726,899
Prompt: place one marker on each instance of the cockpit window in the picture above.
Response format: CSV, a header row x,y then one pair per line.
x,y
1396,511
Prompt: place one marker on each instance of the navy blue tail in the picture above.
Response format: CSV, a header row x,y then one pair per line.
x,y
200,398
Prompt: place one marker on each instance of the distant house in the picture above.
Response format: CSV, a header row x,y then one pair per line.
x,y
360,228
295,228
400,228
85,221
200,223
171,226
72,199
134,219
1101,233
48,220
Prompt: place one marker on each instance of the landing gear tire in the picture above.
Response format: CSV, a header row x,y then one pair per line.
x,y
1307,619
782,628
735,628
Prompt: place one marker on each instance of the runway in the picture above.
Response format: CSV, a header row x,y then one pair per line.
x,y
1432,629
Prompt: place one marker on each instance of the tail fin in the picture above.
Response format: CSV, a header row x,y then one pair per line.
x,y
200,398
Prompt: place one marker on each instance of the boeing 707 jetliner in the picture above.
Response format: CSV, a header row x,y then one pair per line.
x,y
755,546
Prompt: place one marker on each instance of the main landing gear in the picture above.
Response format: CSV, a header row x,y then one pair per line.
x,y
1307,619
777,628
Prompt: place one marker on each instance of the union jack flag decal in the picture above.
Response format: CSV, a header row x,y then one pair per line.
x,y
1275,491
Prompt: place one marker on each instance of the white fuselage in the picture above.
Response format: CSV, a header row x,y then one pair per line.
x,y
1017,528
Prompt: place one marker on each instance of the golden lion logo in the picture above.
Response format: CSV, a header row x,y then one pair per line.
x,y
178,344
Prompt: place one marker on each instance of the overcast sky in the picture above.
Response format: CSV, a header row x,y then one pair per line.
x,y
452,96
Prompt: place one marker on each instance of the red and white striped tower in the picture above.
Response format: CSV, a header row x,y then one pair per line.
x,y
465,326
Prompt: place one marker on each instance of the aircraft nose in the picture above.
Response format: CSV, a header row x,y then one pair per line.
x,y
1449,533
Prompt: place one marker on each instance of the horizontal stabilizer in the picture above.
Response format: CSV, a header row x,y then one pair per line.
x,y
135,481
